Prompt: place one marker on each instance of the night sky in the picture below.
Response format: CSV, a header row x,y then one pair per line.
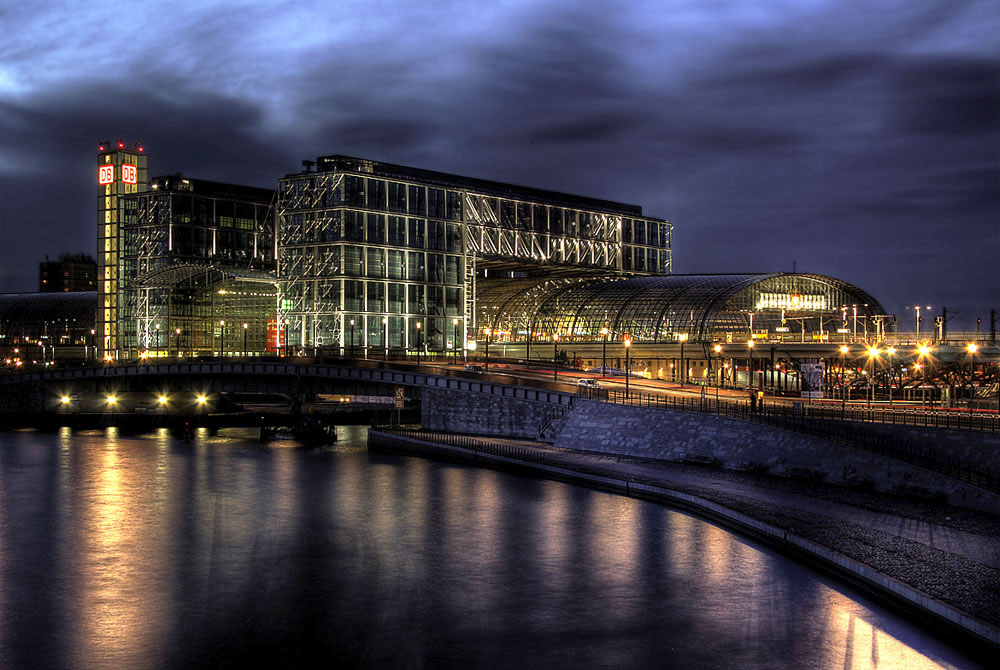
x,y
858,139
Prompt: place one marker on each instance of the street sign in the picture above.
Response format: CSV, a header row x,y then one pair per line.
x,y
399,397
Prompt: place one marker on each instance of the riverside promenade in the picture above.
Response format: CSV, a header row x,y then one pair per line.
x,y
938,561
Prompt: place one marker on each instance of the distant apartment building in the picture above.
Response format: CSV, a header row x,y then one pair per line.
x,y
70,274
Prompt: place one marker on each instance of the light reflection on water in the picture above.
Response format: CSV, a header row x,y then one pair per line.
x,y
120,551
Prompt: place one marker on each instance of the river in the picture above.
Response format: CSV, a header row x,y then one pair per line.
x,y
145,552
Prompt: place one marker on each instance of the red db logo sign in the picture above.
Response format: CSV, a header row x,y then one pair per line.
x,y
105,174
128,174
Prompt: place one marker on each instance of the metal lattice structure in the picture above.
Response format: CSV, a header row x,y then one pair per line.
x,y
378,255
661,309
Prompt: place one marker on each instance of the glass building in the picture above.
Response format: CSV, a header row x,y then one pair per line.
x,y
720,308
385,256
195,256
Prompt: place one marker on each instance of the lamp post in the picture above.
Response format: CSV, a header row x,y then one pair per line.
x,y
246,326
351,353
972,349
489,334
418,342
917,309
286,337
889,352
385,338
750,364
222,339
93,346
628,344
454,322
718,378
684,371
157,329
843,395
872,356
604,352
177,333
555,356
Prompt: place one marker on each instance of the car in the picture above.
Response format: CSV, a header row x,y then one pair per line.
x,y
588,383
472,367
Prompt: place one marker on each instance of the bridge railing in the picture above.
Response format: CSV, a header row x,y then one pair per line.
x,y
473,444
832,428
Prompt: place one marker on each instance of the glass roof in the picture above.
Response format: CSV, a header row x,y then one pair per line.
x,y
657,309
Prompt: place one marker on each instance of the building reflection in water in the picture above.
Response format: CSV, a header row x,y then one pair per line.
x,y
165,553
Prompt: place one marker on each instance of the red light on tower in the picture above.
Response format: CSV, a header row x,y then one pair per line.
x,y
140,149
121,145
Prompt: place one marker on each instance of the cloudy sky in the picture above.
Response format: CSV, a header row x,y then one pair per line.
x,y
856,139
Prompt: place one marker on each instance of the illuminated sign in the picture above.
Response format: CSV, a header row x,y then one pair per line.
x,y
129,174
105,174
793,301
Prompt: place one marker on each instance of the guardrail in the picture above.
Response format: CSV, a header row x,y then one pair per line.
x,y
829,428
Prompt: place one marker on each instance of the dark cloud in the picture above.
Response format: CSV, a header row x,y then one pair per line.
x,y
949,96
861,144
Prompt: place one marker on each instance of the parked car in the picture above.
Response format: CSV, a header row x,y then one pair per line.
x,y
588,383
472,367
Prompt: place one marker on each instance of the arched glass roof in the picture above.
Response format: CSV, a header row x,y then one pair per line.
x,y
192,275
658,309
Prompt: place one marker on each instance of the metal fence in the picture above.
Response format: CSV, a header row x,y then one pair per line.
x,y
817,422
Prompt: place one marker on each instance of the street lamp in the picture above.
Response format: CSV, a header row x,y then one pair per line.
x,y
889,353
873,353
418,342
489,334
683,338
385,338
454,322
352,338
245,327
843,395
222,339
718,377
92,345
286,337
157,329
917,320
750,363
177,332
972,349
555,356
628,344
604,352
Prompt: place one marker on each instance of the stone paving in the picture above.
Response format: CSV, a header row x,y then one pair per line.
x,y
949,553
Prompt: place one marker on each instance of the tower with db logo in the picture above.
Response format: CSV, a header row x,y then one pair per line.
x,y
121,170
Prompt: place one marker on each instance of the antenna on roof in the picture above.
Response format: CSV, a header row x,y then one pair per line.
x,y
795,266
308,164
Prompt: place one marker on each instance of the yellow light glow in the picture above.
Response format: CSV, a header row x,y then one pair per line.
x,y
628,342
750,344
917,366
924,350
202,400
682,337
718,348
891,350
843,349
143,355
64,400
112,400
873,352
972,348
162,400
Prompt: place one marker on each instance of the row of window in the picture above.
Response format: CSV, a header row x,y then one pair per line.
x,y
376,262
373,296
435,203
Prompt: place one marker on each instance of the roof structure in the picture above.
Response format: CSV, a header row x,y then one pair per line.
x,y
658,309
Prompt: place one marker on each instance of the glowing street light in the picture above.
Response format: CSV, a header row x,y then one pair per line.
x,y
246,326
418,340
843,391
177,332
64,399
555,356
454,322
604,352
684,372
750,363
161,400
222,338
202,399
628,369
889,353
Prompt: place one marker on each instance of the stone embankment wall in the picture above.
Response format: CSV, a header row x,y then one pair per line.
x,y
729,443
483,414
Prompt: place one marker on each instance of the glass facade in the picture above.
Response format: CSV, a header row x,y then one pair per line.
x,y
389,247
211,230
662,309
